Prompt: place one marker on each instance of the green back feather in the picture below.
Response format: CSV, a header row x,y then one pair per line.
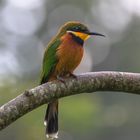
x,y
50,60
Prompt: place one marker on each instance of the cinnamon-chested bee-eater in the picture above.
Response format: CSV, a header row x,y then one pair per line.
x,y
61,57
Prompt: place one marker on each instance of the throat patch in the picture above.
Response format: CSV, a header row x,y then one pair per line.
x,y
77,39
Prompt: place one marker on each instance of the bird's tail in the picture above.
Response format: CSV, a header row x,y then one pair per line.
x,y
51,120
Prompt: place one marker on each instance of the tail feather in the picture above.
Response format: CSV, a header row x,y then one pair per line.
x,y
51,120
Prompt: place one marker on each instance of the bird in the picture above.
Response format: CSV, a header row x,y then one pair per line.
x,y
61,57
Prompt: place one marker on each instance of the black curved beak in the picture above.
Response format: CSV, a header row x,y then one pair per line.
x,y
94,33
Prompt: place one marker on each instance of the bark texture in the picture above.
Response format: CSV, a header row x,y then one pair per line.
x,y
85,83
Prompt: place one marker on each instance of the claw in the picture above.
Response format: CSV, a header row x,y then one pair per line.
x,y
73,75
60,79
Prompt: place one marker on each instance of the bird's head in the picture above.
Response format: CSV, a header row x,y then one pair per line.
x,y
78,29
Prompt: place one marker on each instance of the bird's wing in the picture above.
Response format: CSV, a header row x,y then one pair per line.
x,y
49,61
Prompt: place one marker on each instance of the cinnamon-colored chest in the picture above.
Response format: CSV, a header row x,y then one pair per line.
x,y
69,55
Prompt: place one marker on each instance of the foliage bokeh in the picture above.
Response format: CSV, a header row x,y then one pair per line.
x,y
25,29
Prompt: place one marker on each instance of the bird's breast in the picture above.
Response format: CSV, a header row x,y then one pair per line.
x,y
69,55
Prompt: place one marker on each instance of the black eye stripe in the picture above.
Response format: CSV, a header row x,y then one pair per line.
x,y
78,28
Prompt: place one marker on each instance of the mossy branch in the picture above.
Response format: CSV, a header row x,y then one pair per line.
x,y
85,83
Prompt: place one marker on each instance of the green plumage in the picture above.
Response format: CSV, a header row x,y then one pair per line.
x,y
50,60
51,64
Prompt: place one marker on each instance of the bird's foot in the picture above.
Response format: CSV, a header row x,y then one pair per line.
x,y
73,75
60,79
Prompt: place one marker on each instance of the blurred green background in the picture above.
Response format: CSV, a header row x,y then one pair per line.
x,y
25,28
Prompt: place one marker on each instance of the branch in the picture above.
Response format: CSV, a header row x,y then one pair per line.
x,y
89,82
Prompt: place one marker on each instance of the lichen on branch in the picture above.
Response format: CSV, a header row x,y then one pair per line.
x,y
84,83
